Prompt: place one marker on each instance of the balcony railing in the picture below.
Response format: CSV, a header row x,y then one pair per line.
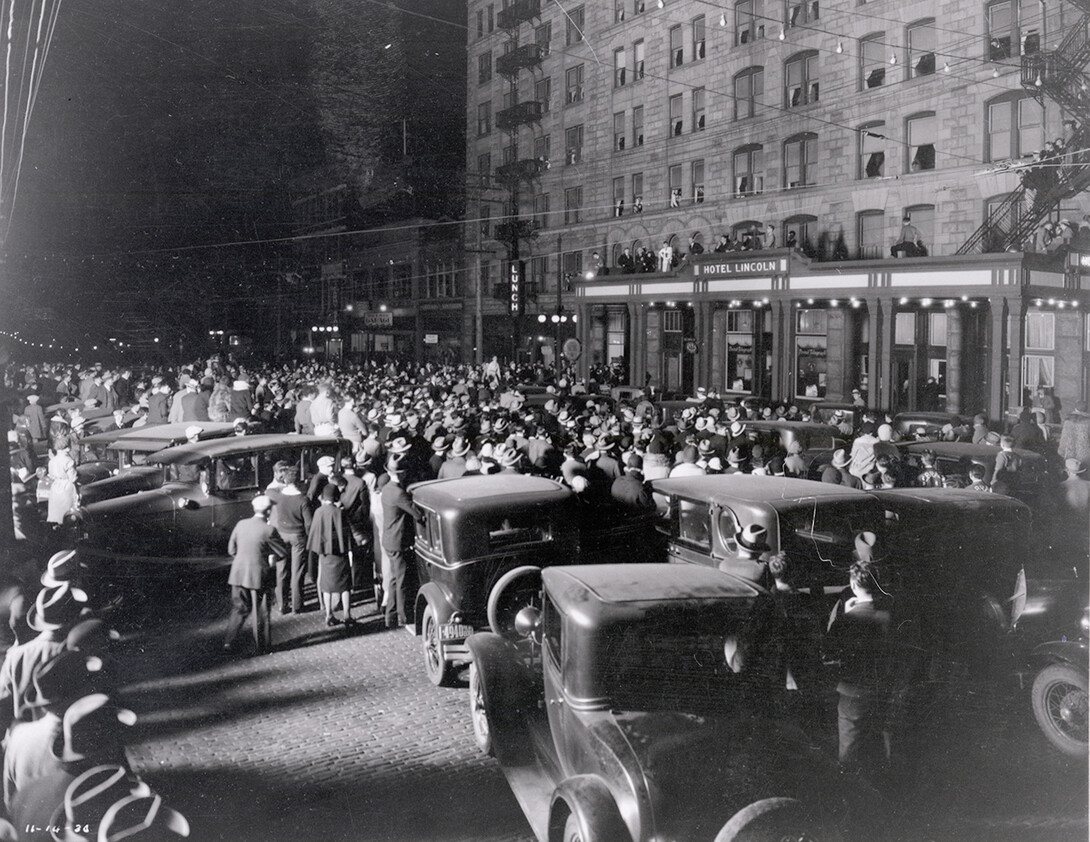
x,y
525,170
518,12
524,57
519,115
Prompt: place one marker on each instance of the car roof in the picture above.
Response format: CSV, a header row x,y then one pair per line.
x,y
625,584
726,488
483,490
185,454
159,435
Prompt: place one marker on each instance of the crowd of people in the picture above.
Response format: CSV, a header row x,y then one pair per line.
x,y
66,774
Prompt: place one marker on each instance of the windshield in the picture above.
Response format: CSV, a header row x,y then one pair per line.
x,y
696,661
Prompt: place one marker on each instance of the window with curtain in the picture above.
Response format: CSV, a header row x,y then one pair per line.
x,y
748,89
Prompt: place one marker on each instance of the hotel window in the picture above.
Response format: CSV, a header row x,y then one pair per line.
x,y
673,177
637,61
871,234
484,68
921,130
677,50
543,35
573,143
798,12
575,26
920,40
698,109
801,86
573,83
615,336
637,126
618,196
677,122
872,61
543,92
542,147
798,232
484,118
620,68
800,160
872,154
671,321
618,132
811,367
484,168
697,172
541,210
618,10
740,359
749,178
747,21
923,217
573,205
1015,127
698,38
748,89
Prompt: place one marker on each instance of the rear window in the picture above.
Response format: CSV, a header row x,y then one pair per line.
x,y
511,528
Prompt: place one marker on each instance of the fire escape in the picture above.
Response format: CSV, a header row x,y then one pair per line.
x,y
515,171
1061,76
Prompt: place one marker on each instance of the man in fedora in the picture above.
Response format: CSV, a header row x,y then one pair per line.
x,y
400,515
254,545
54,611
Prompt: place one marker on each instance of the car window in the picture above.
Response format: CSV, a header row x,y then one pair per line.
x,y
236,473
509,528
692,523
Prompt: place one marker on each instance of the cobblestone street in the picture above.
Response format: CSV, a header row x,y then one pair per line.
x,y
339,737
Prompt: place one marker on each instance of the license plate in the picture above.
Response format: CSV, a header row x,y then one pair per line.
x,y
455,631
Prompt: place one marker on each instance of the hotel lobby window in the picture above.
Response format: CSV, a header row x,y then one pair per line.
x,y
811,348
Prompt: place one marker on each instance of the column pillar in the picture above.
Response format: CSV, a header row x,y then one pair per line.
x,y
997,349
954,398
885,370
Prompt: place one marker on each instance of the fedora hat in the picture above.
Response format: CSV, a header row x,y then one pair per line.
x,y
90,796
91,725
398,445
141,817
753,537
841,459
56,607
61,567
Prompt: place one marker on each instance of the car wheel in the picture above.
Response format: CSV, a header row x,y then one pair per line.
x,y
773,819
1060,706
478,711
516,589
439,669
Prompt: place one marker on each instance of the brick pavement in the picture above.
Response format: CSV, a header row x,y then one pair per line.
x,y
330,737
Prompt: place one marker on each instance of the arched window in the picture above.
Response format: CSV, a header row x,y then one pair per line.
x,y
800,160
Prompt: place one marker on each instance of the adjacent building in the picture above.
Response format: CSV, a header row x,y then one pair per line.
x,y
597,128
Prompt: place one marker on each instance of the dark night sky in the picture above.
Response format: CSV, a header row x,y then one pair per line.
x,y
179,122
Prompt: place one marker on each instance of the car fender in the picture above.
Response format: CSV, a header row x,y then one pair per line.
x,y
431,593
1073,652
590,800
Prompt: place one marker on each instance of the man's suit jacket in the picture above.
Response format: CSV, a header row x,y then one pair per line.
x,y
252,541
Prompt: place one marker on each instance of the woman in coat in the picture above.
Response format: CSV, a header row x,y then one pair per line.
x,y
331,540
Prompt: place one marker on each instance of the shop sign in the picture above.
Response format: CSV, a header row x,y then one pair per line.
x,y
378,319
740,267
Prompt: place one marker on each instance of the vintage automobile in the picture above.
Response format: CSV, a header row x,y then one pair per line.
x,y
814,523
477,529
129,457
643,702
187,521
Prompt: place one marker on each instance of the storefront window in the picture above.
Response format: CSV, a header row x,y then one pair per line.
x,y
811,348
740,358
